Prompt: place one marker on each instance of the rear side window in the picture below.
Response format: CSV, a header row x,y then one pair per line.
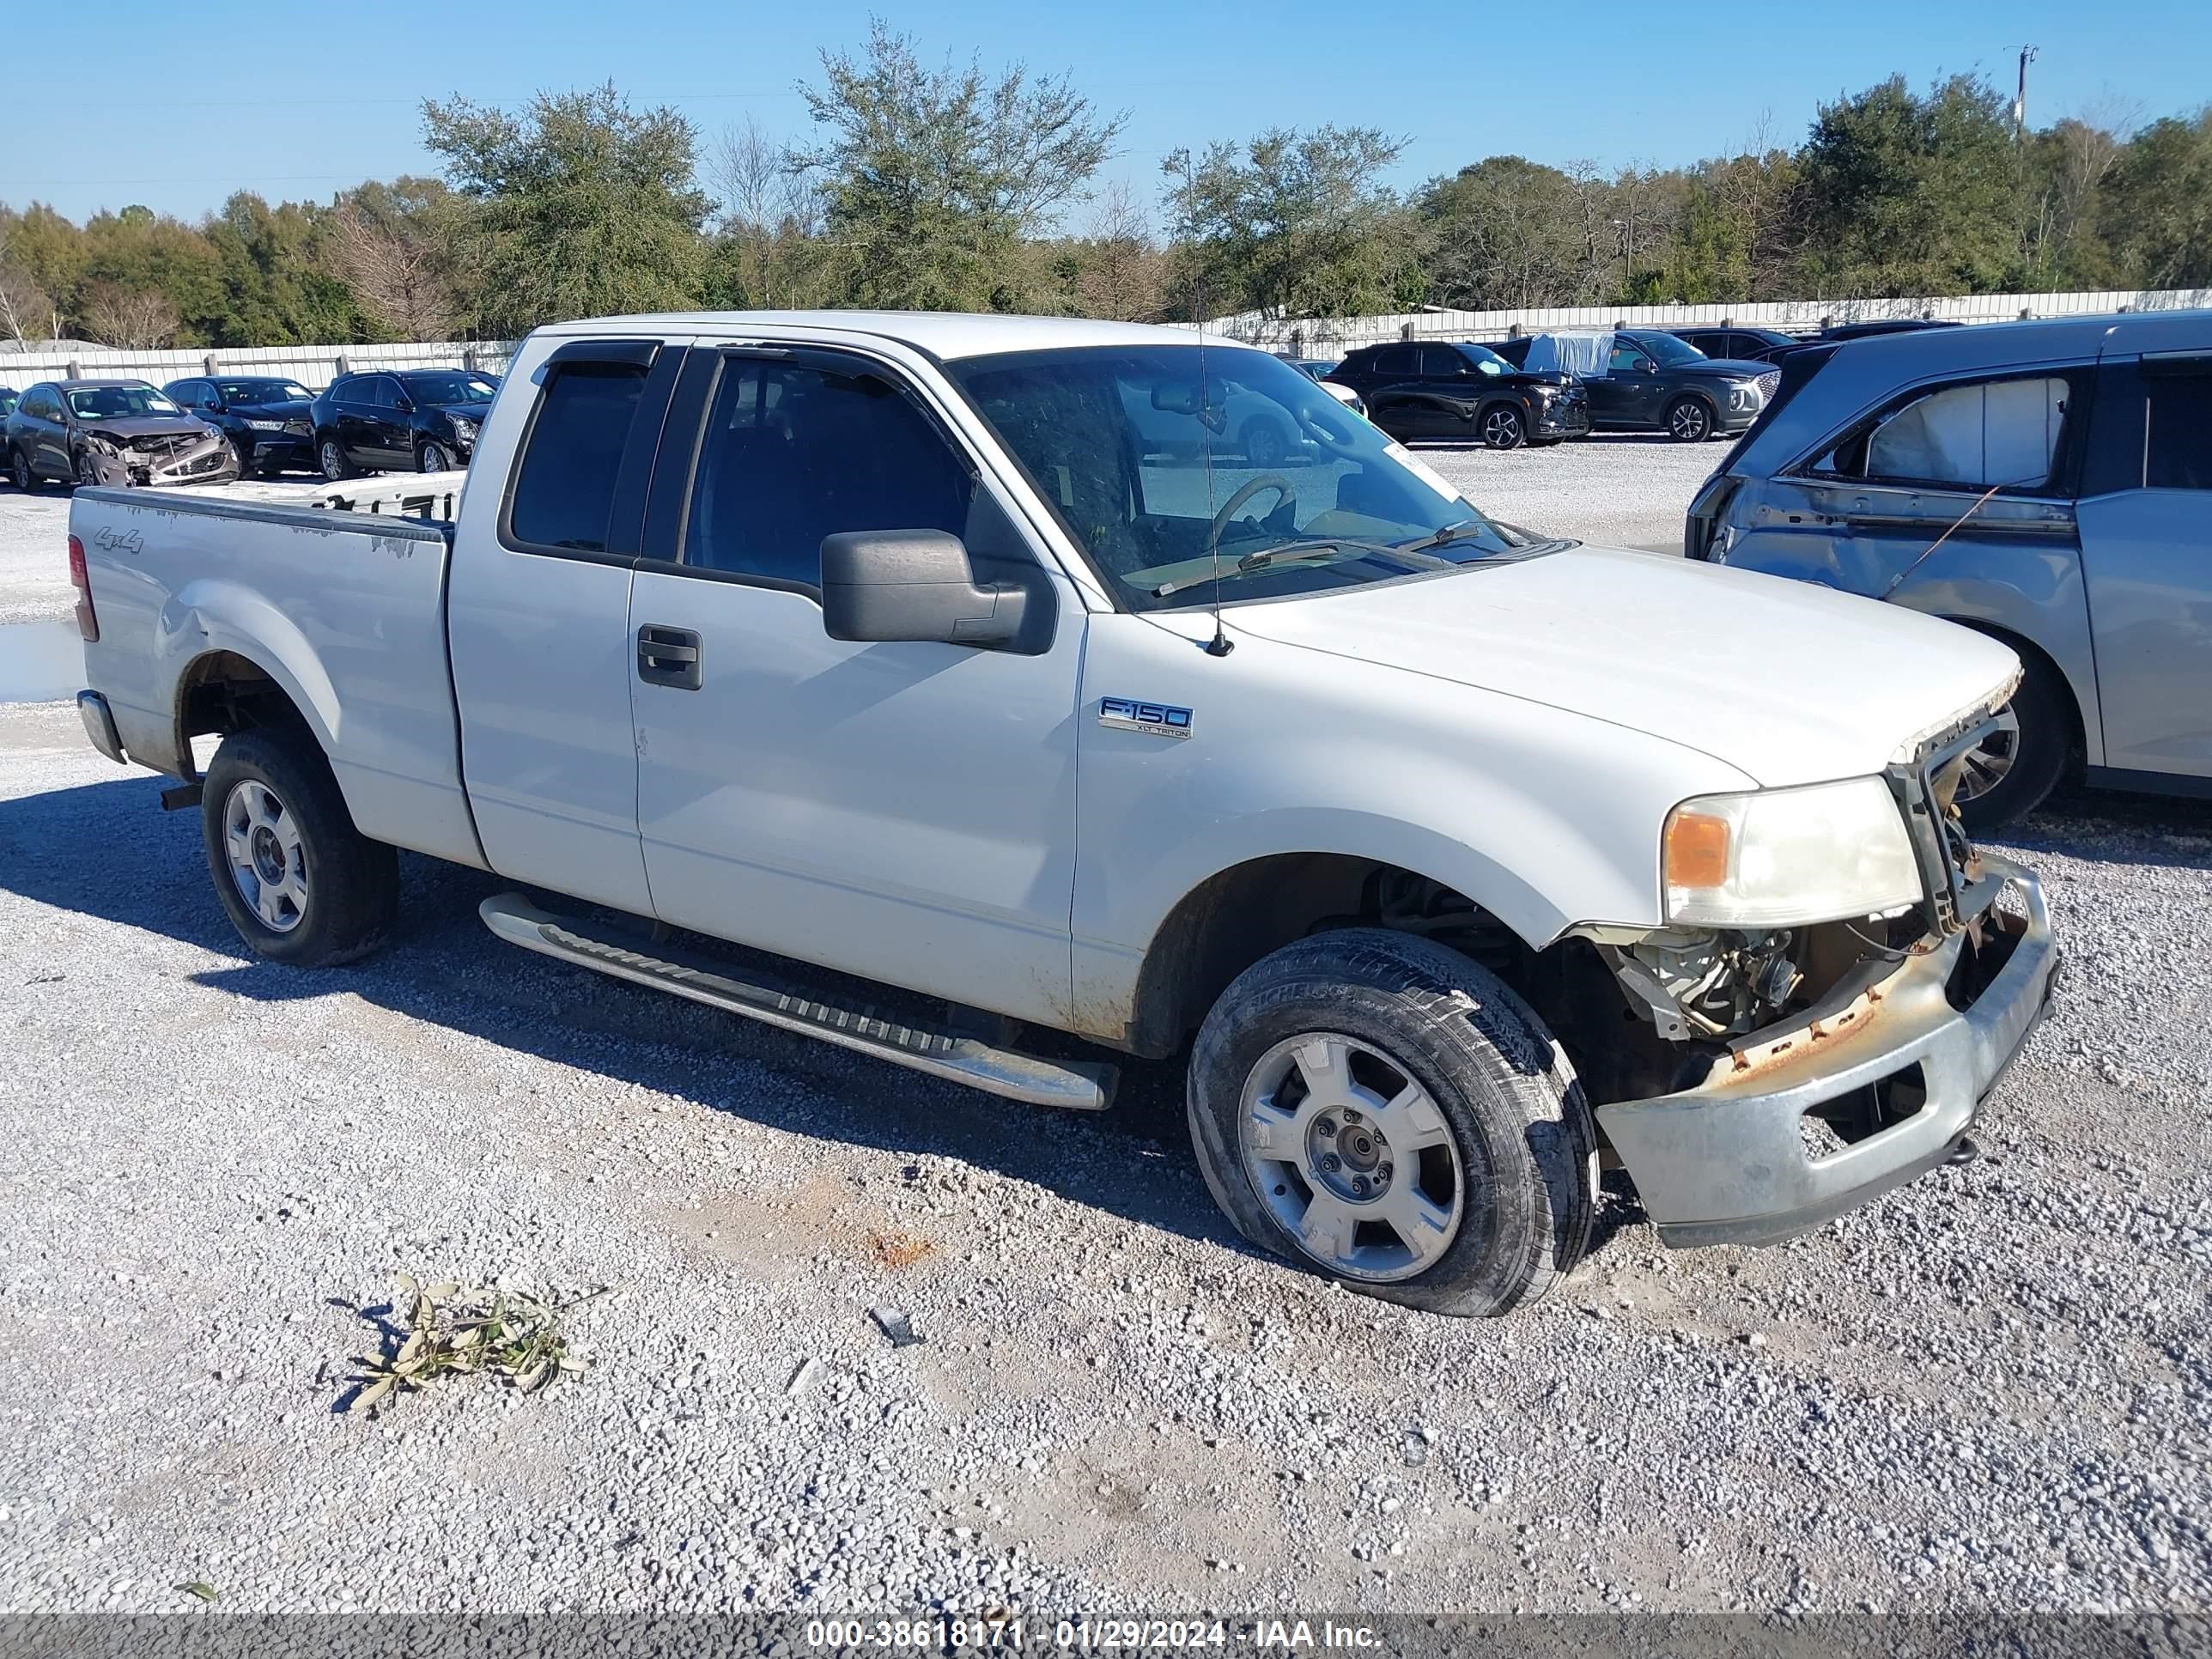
x,y
794,451
1395,360
1992,435
2177,431
564,486
1439,360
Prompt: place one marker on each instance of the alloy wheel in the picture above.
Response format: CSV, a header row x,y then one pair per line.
x,y
1501,429
1689,421
1986,765
1352,1156
261,838
333,460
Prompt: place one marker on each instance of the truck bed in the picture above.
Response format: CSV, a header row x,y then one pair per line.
x,y
343,608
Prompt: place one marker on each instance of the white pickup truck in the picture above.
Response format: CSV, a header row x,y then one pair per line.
x,y
976,658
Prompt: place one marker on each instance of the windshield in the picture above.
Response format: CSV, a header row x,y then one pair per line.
x,y
1669,349
455,387
8,402
119,403
262,391
1158,457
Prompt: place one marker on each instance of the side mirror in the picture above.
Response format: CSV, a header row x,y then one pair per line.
x,y
914,585
406,406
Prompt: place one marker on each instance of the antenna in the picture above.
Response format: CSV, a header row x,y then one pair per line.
x,y
1220,645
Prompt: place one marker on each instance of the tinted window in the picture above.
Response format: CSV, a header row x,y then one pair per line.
x,y
2179,434
1625,355
1441,360
564,489
796,452
1396,360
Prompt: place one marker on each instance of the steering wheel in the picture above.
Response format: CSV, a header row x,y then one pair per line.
x,y
1274,481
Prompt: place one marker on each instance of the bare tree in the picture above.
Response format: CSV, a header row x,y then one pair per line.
x,y
768,204
1125,273
141,319
24,308
396,270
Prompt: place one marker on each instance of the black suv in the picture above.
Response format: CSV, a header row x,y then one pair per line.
x,y
422,420
1745,345
265,419
1655,383
1435,389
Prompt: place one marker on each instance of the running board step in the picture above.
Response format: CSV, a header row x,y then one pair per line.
x,y
1075,1085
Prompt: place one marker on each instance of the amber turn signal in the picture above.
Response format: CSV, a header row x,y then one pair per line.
x,y
1697,851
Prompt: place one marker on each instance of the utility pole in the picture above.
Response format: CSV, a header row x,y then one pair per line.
x,y
2019,101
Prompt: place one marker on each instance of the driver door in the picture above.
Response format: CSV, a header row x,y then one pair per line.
x,y
904,811
1628,392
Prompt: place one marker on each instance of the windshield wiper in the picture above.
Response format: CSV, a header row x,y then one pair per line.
x,y
1450,532
1319,547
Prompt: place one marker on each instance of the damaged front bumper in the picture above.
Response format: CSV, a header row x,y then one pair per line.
x,y
1728,1161
158,461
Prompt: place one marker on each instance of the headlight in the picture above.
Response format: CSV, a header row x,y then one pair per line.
x,y
1743,394
1786,858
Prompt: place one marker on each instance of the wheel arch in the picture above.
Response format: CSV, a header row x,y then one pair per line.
x,y
1239,914
2042,661
226,691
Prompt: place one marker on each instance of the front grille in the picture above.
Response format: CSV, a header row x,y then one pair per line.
x,y
1767,382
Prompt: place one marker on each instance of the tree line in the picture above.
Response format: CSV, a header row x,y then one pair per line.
x,y
947,187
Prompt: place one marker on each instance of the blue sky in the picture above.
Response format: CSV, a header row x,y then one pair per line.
x,y
175,105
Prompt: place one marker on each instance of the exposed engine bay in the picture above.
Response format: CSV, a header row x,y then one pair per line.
x,y
140,458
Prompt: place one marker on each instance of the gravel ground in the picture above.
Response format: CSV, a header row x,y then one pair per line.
x,y
1990,1390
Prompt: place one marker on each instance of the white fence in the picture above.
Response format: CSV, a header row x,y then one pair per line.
x,y
1323,337
315,366
318,365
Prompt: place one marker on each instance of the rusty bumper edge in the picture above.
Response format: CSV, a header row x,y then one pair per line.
x,y
1723,1163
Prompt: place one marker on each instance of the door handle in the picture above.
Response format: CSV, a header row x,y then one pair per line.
x,y
668,656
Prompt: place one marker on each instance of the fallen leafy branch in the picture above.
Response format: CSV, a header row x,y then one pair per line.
x,y
511,1335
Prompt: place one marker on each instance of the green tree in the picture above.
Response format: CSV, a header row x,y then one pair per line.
x,y
1506,233
2157,206
577,206
1902,194
930,180
1293,224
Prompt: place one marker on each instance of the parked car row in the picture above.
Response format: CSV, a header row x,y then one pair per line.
x,y
213,428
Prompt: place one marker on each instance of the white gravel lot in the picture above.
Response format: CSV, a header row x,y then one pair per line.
x,y
1992,1389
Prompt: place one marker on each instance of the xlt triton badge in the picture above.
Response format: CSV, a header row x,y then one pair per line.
x,y
1161,719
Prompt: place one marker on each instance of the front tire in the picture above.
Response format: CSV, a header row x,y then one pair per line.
x,y
434,459
1388,1113
1502,427
298,881
2008,774
86,472
1689,420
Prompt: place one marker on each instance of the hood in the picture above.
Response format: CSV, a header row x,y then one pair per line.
x,y
127,427
278,409
1735,367
1788,682
462,411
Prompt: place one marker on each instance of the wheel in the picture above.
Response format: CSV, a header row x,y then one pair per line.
x,y
333,460
1502,427
1384,1111
434,459
87,473
2009,773
1689,420
1265,446
298,881
245,453
20,469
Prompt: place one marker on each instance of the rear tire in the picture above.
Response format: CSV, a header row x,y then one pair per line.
x,y
331,459
298,881
19,470
1425,1070
2017,769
